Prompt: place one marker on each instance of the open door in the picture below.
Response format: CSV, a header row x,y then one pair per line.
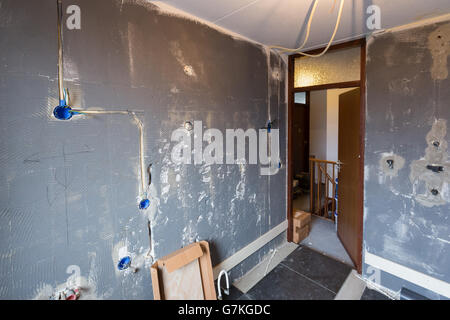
x,y
349,191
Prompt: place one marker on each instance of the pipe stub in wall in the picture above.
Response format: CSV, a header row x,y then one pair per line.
x,y
124,263
144,204
63,111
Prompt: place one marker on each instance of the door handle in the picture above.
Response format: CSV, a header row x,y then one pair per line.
x,y
338,164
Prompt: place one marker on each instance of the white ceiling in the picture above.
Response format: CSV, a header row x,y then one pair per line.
x,y
283,22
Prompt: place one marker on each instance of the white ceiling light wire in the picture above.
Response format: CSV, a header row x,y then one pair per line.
x,y
297,50
308,29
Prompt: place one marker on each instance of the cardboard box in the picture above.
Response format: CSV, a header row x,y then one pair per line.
x,y
301,233
302,225
301,218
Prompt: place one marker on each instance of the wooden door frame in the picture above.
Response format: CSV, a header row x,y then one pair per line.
x,y
362,120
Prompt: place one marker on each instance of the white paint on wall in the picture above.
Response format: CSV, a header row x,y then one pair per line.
x,y
318,124
324,123
333,122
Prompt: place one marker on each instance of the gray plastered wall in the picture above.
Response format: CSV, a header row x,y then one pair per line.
x,y
406,188
68,189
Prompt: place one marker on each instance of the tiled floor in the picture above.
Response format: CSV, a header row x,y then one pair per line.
x,y
322,237
303,275
369,294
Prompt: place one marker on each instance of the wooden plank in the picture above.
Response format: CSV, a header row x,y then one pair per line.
x,y
182,257
184,283
155,282
184,274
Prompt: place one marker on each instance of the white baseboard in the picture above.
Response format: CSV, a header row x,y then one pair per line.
x,y
413,276
249,249
269,262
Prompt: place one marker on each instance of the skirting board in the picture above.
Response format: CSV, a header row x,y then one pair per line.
x,y
269,262
248,250
413,276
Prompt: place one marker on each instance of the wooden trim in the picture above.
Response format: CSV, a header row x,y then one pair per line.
x,y
348,44
290,171
323,161
206,272
157,289
195,251
348,84
362,132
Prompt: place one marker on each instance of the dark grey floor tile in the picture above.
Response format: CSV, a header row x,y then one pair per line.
x,y
284,284
235,294
370,294
328,272
245,297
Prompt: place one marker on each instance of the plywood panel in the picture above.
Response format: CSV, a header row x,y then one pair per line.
x,y
184,283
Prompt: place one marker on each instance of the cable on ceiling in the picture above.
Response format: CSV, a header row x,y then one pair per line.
x,y
297,50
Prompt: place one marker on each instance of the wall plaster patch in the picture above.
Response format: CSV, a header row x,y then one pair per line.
x,y
439,45
434,169
391,163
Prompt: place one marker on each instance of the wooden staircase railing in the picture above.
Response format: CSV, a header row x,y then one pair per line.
x,y
322,181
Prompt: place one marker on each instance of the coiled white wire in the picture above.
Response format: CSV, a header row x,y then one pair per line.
x,y
297,50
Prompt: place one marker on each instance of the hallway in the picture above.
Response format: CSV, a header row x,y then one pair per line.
x,y
322,237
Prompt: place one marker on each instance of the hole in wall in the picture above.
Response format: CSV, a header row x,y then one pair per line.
x,y
390,163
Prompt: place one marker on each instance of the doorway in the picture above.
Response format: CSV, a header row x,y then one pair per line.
x,y
347,165
301,139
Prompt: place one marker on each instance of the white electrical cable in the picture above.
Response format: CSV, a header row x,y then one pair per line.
x,y
341,6
64,98
60,52
308,29
141,136
101,111
141,151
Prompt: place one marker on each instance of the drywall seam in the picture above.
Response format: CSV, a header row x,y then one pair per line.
x,y
167,9
405,273
251,248
419,23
